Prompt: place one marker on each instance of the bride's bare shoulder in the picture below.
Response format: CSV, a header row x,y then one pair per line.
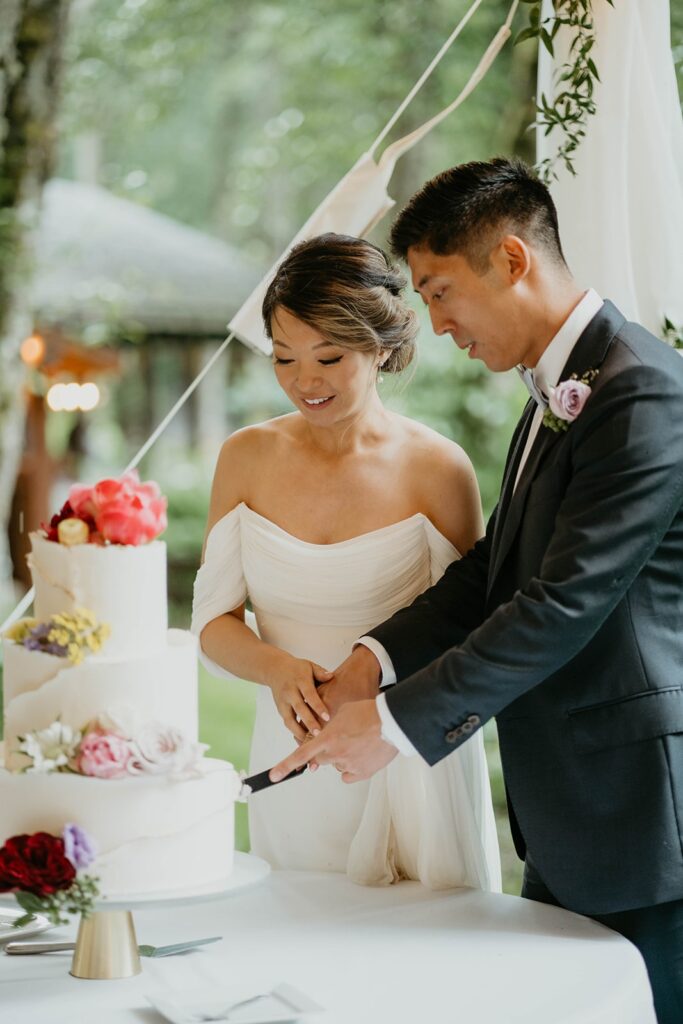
x,y
427,448
443,482
244,455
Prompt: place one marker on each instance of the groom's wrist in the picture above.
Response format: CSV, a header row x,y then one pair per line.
x,y
386,674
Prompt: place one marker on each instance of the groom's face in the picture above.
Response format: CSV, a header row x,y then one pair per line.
x,y
480,311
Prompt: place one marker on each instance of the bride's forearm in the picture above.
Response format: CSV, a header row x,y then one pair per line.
x,y
235,647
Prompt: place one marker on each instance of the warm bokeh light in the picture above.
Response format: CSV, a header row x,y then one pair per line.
x,y
32,350
89,397
70,397
72,394
55,397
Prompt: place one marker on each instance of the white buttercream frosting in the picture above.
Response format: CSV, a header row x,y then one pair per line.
x,y
152,834
159,685
124,586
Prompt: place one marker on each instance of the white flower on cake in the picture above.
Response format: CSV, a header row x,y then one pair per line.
x,y
160,749
52,749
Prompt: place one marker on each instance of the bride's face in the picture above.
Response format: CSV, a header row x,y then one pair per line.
x,y
327,383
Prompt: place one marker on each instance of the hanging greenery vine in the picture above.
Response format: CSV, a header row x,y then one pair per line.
x,y
571,106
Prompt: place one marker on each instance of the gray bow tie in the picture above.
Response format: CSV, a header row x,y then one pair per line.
x,y
532,387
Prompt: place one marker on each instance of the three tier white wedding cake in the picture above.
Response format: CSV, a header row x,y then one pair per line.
x,y
100,703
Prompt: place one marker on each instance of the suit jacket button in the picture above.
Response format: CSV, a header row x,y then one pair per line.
x,y
474,719
466,726
452,736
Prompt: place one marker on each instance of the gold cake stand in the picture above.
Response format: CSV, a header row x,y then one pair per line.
x,y
107,946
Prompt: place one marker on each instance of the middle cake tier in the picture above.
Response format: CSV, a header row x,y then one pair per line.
x,y
159,685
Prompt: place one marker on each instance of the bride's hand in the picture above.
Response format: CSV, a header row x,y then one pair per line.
x,y
293,687
357,678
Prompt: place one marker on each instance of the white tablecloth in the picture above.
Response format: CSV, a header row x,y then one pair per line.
x,y
400,955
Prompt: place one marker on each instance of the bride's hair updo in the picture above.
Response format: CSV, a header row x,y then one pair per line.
x,y
346,289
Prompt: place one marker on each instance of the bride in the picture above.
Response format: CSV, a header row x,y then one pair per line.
x,y
328,520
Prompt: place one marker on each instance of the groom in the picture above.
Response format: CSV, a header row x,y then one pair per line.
x,y
566,620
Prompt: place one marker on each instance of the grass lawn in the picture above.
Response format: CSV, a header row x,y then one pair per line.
x,y
226,718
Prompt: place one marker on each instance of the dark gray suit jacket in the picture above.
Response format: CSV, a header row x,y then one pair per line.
x,y
566,622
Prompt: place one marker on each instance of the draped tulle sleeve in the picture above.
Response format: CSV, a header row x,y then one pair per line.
x,y
219,586
441,551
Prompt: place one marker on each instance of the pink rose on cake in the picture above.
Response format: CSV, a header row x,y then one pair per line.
x,y
164,750
104,755
124,510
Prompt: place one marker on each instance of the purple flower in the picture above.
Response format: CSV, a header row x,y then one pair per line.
x,y
40,631
79,847
57,649
568,399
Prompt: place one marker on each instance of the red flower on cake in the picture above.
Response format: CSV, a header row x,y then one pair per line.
x,y
66,512
124,510
35,864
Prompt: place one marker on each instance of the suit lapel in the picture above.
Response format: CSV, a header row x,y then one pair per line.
x,y
512,467
512,512
588,353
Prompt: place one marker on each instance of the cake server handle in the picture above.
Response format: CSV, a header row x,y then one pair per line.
x,y
38,947
262,780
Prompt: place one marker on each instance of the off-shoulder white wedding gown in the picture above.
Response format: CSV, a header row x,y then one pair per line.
x,y
315,600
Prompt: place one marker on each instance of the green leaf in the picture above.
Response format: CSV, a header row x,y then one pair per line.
x,y
526,33
547,41
592,68
29,902
23,920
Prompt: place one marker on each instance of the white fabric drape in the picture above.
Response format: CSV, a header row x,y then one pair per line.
x,y
621,216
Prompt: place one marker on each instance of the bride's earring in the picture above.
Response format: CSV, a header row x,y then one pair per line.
x,y
380,375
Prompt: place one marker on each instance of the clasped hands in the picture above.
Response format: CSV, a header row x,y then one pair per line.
x,y
336,722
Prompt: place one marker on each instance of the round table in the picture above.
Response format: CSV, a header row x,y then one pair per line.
x,y
396,955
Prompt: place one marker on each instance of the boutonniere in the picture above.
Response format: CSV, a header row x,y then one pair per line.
x,y
567,400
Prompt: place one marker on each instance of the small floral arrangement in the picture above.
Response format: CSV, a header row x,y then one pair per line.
x,y
69,635
118,510
567,400
103,751
42,871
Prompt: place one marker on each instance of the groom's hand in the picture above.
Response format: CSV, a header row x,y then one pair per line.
x,y
357,678
352,742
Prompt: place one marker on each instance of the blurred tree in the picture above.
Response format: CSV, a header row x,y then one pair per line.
x,y
31,40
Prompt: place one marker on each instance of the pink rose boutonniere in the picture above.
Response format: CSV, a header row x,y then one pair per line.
x,y
567,400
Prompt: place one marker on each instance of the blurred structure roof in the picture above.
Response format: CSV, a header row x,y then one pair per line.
x,y
107,263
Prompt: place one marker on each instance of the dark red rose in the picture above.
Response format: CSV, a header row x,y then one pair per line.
x,y
35,864
66,512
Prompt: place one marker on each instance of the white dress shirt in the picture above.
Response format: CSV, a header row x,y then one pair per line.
x,y
546,376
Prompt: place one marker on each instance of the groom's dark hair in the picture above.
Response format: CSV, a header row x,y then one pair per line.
x,y
467,210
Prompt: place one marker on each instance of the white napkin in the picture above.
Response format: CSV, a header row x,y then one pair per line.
x,y
278,1004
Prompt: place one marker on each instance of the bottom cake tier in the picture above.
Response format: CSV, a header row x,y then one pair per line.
x,y
153,833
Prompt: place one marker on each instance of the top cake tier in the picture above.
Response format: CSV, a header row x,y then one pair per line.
x,y
124,586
